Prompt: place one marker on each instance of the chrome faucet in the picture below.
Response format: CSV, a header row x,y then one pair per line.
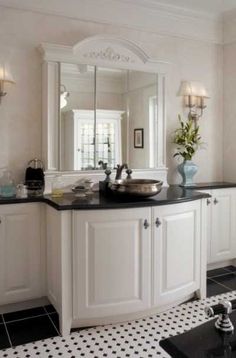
x,y
119,169
102,165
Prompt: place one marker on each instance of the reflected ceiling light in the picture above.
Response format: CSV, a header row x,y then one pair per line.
x,y
5,77
63,96
195,94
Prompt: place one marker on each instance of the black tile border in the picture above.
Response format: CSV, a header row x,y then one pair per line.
x,y
217,272
49,309
52,322
27,315
23,314
228,281
30,330
5,341
8,335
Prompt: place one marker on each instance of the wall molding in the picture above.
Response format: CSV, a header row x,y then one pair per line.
x,y
162,20
105,50
173,10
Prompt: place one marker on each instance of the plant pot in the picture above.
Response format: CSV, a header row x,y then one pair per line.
x,y
187,170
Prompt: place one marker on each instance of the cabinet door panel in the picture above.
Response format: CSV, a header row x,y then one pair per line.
x,y
176,252
20,248
223,225
111,262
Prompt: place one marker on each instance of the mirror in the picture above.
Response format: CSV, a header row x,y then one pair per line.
x,y
107,116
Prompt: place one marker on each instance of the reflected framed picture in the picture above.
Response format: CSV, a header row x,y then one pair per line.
x,y
138,138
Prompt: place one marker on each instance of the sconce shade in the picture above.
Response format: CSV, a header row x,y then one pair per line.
x,y
192,88
63,96
5,74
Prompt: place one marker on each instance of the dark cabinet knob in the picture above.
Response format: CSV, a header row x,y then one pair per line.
x,y
146,224
158,222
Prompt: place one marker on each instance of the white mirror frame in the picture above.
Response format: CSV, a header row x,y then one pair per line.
x,y
104,51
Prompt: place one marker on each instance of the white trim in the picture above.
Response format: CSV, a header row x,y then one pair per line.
x,y
163,19
173,10
87,52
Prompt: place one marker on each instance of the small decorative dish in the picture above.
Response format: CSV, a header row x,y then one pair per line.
x,y
79,191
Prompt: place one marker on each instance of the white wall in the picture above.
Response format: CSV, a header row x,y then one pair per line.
x,y
229,166
20,112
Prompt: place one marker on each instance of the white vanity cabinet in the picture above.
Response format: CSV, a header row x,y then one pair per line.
x,y
176,251
112,265
21,266
111,262
221,225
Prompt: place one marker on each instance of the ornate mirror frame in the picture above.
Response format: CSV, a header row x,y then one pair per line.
x,y
105,51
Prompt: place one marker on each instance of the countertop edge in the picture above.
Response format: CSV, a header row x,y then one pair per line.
x,y
126,205
107,205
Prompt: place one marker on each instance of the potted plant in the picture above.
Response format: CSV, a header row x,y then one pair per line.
x,y
188,139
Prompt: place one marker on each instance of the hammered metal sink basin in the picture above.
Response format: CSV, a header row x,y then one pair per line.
x,y
136,187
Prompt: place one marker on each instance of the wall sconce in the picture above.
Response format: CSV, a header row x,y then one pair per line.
x,y
195,94
63,96
5,77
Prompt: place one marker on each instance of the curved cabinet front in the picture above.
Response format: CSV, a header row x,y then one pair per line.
x,y
111,262
176,251
122,264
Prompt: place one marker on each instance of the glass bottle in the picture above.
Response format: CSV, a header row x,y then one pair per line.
x,y
57,187
8,188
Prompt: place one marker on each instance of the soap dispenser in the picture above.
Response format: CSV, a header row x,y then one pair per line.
x,y
8,188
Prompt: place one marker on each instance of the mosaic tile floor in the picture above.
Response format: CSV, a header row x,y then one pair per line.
x,y
138,338
132,339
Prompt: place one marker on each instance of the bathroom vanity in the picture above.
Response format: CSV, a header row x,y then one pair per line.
x,y
112,261
104,260
101,260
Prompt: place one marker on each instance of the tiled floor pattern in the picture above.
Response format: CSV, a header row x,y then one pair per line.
x,y
132,339
221,280
28,326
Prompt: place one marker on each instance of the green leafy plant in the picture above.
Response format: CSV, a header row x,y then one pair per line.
x,y
187,138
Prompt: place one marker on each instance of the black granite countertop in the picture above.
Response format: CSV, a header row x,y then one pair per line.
x,y
171,195
202,341
213,185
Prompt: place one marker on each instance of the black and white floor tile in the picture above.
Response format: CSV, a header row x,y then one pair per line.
x,y
132,339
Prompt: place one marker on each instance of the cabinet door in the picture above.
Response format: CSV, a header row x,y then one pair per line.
x,y
208,218
111,262
176,254
20,247
223,238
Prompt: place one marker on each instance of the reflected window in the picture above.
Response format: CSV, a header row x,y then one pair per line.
x,y
79,142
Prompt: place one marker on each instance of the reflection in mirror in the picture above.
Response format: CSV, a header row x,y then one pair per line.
x,y
111,119
142,119
101,110
77,144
